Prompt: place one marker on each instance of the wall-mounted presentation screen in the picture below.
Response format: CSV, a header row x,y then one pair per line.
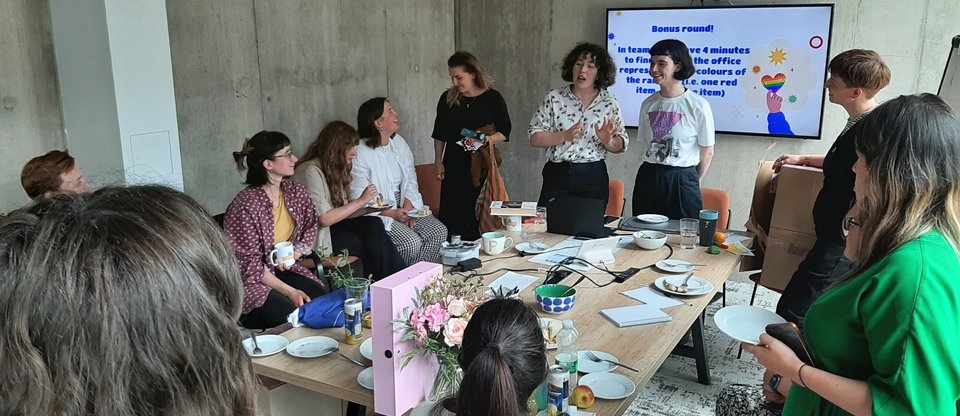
x,y
762,68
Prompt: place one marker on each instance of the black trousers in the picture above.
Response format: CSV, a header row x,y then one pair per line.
x,y
667,190
823,266
584,180
365,237
277,307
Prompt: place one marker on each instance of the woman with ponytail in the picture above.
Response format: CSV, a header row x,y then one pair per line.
x,y
503,359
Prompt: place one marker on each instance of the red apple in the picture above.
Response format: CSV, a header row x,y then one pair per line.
x,y
582,397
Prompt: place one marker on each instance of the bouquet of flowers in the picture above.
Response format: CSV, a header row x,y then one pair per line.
x,y
436,323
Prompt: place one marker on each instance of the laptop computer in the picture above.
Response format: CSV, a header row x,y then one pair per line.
x,y
579,217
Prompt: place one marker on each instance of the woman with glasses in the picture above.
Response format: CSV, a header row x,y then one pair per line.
x,y
856,76
884,337
384,160
272,210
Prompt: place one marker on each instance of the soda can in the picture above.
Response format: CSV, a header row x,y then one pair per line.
x,y
353,327
558,388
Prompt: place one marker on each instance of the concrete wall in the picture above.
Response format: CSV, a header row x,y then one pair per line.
x,y
30,122
522,43
294,65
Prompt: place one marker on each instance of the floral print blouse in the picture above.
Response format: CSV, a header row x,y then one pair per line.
x,y
561,110
249,227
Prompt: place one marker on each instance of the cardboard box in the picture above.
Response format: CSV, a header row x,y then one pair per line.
x,y
797,188
783,253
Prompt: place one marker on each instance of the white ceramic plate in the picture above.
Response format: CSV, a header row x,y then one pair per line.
x,y
532,248
675,266
608,385
420,213
365,378
704,286
585,365
366,349
269,345
652,218
380,207
311,347
745,323
555,326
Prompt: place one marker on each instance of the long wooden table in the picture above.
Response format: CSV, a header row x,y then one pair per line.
x,y
642,347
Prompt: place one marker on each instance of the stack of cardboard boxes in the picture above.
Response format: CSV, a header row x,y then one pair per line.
x,y
782,219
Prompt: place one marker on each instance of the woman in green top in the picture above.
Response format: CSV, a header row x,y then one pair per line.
x,y
886,338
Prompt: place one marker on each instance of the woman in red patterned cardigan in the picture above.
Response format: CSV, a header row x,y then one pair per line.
x,y
271,210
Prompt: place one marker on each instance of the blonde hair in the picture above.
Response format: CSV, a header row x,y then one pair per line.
x,y
910,146
471,65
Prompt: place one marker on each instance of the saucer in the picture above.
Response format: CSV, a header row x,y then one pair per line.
x,y
745,323
366,349
652,218
420,213
532,248
586,365
269,345
609,385
365,378
312,347
703,287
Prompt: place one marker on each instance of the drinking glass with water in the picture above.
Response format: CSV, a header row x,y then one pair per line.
x,y
688,233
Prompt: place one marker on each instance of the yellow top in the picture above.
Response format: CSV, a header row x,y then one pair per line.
x,y
282,223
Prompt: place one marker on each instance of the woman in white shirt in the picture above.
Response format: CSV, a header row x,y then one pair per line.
x,y
676,124
578,125
384,159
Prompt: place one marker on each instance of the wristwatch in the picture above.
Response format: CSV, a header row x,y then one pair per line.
x,y
774,382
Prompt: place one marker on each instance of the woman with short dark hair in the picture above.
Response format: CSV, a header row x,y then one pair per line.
x,y
676,125
271,210
578,125
136,315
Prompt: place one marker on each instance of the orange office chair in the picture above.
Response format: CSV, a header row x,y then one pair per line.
x,y
719,201
617,200
429,187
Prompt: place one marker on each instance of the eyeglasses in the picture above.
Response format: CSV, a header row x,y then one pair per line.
x,y
848,224
288,153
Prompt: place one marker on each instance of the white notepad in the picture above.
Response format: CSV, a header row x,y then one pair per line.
x,y
635,315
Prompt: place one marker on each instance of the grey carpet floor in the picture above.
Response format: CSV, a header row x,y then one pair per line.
x,y
674,390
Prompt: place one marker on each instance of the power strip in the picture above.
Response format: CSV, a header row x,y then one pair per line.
x,y
626,274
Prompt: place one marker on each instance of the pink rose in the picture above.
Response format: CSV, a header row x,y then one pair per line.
x,y
453,331
436,317
457,307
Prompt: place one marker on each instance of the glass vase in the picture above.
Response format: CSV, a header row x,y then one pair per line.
x,y
357,288
447,383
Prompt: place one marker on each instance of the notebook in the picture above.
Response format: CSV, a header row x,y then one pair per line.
x,y
635,315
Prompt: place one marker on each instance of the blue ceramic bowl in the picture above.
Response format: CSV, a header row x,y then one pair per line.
x,y
550,298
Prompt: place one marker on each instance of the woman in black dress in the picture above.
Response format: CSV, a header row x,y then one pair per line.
x,y
471,104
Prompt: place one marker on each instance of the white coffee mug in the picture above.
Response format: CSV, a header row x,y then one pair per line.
x,y
284,254
513,222
495,243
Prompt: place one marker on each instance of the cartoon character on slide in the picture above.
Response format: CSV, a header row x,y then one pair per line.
x,y
776,121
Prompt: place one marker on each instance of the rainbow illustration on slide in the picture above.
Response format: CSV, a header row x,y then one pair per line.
x,y
774,83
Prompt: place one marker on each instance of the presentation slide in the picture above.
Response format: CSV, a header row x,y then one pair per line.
x,y
761,68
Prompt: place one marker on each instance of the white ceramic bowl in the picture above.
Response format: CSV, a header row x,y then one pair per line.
x,y
649,240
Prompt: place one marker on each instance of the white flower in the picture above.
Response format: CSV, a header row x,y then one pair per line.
x,y
457,307
453,331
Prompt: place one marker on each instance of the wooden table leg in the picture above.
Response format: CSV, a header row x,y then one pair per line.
x,y
698,352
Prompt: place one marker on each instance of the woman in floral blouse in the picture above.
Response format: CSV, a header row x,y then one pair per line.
x,y
271,210
577,125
